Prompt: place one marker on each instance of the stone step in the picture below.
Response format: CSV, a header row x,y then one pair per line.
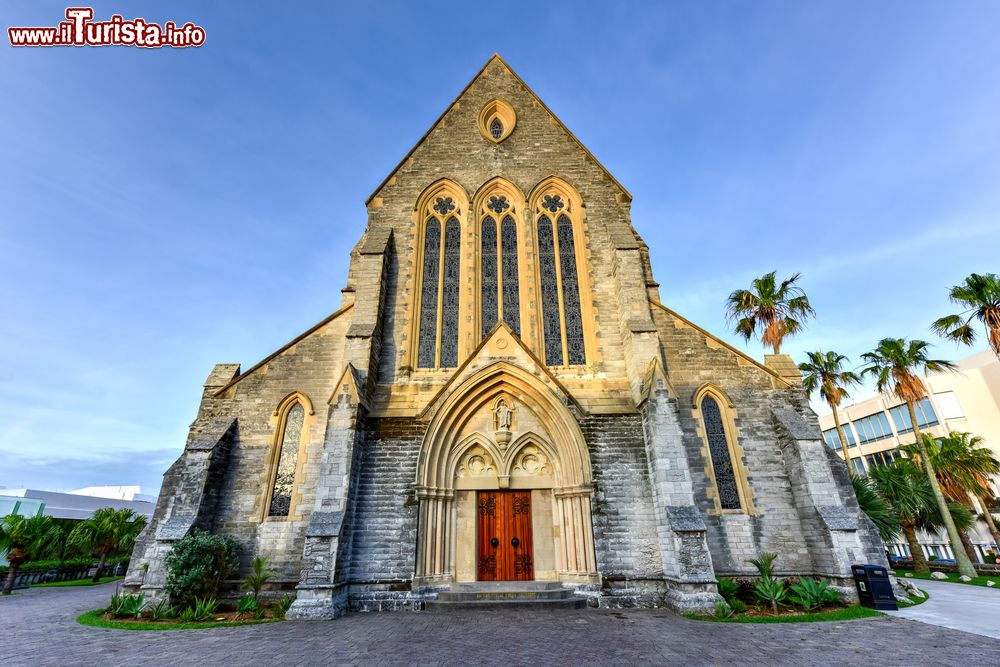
x,y
473,596
483,586
574,602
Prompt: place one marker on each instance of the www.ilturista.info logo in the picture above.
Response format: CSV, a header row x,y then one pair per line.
x,y
80,30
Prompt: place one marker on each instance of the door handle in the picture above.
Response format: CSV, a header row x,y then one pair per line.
x,y
494,543
515,542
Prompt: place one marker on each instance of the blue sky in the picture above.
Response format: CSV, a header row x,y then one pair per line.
x,y
166,210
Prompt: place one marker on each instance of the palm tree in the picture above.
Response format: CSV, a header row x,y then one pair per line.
x,y
963,466
24,539
825,372
906,490
894,363
882,514
108,530
776,310
980,296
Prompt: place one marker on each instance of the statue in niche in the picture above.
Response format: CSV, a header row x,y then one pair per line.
x,y
503,417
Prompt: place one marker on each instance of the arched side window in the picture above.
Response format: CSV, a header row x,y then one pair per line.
x,y
499,204
563,331
723,452
437,317
286,455
511,303
489,302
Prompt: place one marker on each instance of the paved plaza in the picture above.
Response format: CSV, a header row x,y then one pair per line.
x,y
39,629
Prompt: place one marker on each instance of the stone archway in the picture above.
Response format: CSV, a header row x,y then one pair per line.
x,y
504,429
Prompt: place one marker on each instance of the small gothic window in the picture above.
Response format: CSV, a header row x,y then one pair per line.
x,y
550,293
285,462
488,275
426,357
718,448
496,128
511,294
450,294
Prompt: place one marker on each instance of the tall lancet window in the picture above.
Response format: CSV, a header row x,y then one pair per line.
x,y
500,297
286,456
721,454
439,292
562,319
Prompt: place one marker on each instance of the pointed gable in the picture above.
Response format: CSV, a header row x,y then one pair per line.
x,y
496,74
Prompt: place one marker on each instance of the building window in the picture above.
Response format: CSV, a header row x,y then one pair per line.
x,y
719,450
450,294
883,458
948,404
429,295
499,279
561,314
925,416
858,465
286,460
439,292
872,428
833,440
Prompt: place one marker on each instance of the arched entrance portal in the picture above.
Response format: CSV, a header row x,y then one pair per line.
x,y
500,446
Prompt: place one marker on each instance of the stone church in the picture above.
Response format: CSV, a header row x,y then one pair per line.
x,y
503,402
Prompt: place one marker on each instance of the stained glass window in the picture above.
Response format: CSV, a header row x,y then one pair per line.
x,y
429,295
288,454
511,295
450,295
550,293
718,448
571,293
488,275
496,128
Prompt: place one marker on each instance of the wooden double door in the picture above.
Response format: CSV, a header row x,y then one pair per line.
x,y
503,536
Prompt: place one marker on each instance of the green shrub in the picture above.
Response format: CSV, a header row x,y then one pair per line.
x,y
203,608
765,564
728,588
197,566
283,605
810,593
247,605
258,576
723,610
161,611
738,606
187,616
127,605
771,591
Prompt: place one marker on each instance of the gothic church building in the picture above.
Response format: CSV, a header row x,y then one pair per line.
x,y
503,396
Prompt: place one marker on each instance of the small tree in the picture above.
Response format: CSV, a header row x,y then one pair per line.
x,y
826,373
198,564
259,576
23,539
980,296
107,531
894,363
775,310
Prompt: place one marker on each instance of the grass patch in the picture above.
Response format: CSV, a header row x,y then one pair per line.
x,y
952,577
95,619
76,582
845,614
903,604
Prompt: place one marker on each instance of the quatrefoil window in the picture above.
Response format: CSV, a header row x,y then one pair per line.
x,y
444,205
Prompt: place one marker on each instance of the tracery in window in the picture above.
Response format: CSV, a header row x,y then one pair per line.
x,y
437,313
450,294
427,356
488,275
551,327
721,454
511,284
286,459
560,288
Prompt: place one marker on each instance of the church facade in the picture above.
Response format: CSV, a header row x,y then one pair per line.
x,y
503,396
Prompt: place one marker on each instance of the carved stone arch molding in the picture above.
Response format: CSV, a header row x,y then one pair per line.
x,y
459,455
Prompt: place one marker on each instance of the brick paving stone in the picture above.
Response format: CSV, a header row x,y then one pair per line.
x,y
39,629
